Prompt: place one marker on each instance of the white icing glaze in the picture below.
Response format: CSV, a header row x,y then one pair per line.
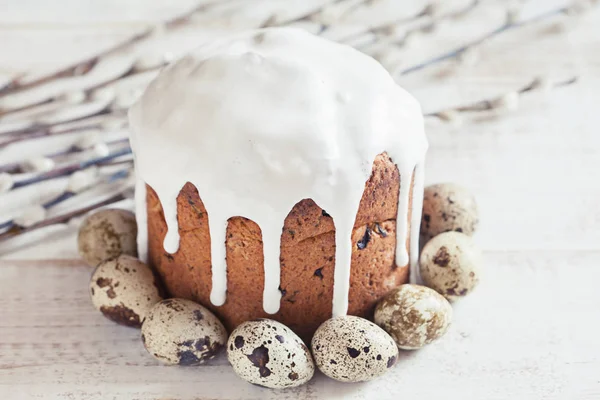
x,y
263,120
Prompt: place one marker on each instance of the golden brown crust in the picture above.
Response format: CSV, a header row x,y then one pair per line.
x,y
307,256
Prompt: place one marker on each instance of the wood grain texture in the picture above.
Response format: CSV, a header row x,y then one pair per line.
x,y
528,332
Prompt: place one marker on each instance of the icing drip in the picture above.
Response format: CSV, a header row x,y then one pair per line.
x,y
271,237
141,215
218,228
168,198
343,257
263,120
402,216
415,221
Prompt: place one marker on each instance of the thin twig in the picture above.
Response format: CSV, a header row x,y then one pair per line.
x,y
272,20
15,167
67,170
457,52
84,66
37,131
81,68
378,43
41,132
355,7
66,195
423,13
114,163
533,85
17,230
485,105
497,102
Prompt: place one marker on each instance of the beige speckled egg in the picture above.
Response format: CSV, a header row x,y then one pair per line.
x,y
353,349
178,331
413,315
448,207
268,353
107,234
124,289
450,264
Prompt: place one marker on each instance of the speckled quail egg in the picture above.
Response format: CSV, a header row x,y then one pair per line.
x,y
450,264
353,349
178,331
124,289
413,315
107,234
448,207
268,353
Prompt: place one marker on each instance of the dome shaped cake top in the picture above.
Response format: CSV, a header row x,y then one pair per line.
x,y
264,119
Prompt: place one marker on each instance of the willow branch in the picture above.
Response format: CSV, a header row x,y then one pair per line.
x,y
15,167
17,230
37,131
66,195
67,170
84,66
506,101
509,25
423,13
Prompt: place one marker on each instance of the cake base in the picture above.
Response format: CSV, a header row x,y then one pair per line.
x,y
307,256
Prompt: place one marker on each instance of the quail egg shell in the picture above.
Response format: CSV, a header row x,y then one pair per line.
x,y
268,353
448,207
124,289
107,234
450,264
353,349
178,331
413,315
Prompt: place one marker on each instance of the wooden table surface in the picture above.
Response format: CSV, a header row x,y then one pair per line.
x,y
530,331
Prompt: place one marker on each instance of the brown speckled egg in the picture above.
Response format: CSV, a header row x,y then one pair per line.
x,y
448,207
450,264
413,315
124,289
107,234
178,331
353,349
268,353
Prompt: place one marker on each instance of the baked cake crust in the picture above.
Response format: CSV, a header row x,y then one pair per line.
x,y
307,256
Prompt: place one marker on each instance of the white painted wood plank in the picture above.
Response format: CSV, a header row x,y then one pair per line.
x,y
526,333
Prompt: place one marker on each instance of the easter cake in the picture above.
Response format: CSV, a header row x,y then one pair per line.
x,y
279,175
